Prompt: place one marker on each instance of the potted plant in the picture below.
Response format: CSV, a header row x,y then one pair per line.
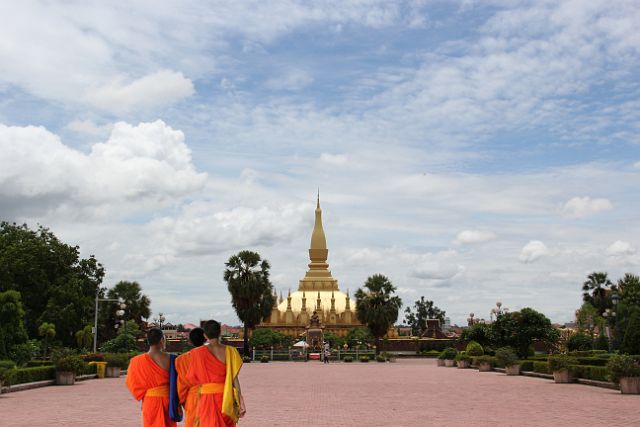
x,y
246,359
66,369
364,359
485,363
449,355
625,370
441,359
116,362
474,349
347,359
508,358
560,365
463,360
264,359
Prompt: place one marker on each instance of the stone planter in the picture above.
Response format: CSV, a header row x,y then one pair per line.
x,y
65,378
512,370
562,377
113,372
630,385
440,362
449,363
464,364
484,367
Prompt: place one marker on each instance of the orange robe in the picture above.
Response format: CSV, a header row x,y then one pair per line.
x,y
150,383
187,395
205,377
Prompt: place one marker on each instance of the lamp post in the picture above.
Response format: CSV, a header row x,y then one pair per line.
x,y
470,320
121,313
95,320
498,311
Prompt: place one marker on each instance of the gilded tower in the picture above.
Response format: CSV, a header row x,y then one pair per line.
x,y
317,292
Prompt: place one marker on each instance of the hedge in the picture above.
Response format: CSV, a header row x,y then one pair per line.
x,y
38,363
29,375
526,365
593,361
598,373
541,367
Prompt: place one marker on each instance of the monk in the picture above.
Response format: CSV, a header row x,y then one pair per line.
x,y
148,380
188,396
209,382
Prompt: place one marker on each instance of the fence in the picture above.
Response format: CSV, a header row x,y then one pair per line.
x,y
303,356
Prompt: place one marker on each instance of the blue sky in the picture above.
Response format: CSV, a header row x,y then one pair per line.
x,y
471,151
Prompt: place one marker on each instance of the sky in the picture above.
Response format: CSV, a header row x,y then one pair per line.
x,y
471,151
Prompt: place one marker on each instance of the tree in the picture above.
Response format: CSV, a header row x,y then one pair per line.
x,y
519,329
264,338
84,337
358,336
588,319
334,340
424,309
137,303
595,290
247,277
377,307
12,330
48,332
55,284
631,342
579,342
479,332
629,288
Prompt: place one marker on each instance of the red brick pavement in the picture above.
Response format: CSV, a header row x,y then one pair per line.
x,y
406,393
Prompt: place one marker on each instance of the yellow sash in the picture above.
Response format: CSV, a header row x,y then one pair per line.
x,y
230,398
211,388
161,391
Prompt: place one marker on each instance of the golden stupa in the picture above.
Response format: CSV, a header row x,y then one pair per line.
x,y
317,292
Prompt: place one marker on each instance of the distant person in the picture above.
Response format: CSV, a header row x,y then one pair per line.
x,y
148,381
212,371
188,396
327,352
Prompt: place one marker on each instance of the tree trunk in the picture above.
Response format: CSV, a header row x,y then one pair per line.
x,y
245,351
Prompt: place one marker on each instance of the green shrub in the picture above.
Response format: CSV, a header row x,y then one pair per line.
x,y
474,349
117,360
430,353
541,367
264,359
70,364
631,341
601,343
448,353
93,357
36,363
485,359
7,364
246,359
506,356
579,341
598,373
592,361
347,359
29,375
561,362
621,366
463,356
526,365
380,358
590,353
364,359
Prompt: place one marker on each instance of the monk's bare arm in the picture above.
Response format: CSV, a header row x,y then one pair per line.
x,y
243,408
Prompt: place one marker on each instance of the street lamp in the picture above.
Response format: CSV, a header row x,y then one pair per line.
x,y
470,320
95,320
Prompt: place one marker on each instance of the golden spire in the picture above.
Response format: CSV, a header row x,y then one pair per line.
x,y
347,304
333,302
288,300
318,302
304,301
280,299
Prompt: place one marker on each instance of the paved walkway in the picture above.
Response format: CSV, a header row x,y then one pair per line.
x,y
405,393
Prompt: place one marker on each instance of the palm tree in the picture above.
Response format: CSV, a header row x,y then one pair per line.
x,y
247,277
377,307
47,331
595,290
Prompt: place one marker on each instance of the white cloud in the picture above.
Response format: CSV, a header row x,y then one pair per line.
x,y
579,207
153,90
148,163
293,80
533,251
474,236
620,248
89,127
334,159
636,165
